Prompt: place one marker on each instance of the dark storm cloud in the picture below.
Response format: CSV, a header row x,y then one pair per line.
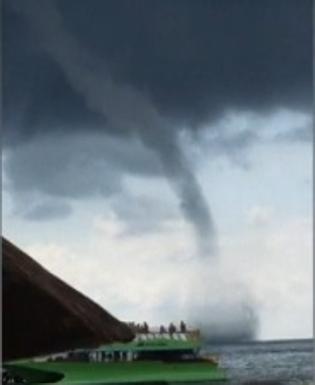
x,y
77,167
193,59
148,68
125,107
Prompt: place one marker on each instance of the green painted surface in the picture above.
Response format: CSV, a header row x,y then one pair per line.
x,y
158,344
129,372
34,375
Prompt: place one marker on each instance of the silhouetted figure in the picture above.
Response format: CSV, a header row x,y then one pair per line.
x,y
172,328
182,327
162,329
145,328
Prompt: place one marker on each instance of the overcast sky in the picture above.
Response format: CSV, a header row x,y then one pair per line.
x,y
157,155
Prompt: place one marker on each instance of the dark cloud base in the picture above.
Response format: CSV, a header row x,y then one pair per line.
x,y
193,59
171,64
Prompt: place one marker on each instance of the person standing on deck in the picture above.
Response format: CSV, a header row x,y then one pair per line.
x,y
172,328
182,327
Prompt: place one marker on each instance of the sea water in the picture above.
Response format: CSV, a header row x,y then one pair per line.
x,y
288,362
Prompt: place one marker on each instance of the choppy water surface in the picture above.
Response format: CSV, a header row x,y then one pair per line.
x,y
285,362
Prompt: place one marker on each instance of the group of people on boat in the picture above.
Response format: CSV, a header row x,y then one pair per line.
x,y
145,329
173,329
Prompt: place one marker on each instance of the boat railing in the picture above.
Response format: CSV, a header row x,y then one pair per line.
x,y
151,335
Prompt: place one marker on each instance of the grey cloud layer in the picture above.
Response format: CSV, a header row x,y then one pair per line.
x,y
76,167
193,59
144,68
125,108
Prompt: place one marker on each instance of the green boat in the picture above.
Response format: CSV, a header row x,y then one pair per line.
x,y
152,358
